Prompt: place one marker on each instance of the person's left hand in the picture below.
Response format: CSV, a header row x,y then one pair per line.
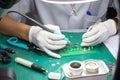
x,y
98,33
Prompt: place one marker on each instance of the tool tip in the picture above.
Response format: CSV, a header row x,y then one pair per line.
x,y
46,71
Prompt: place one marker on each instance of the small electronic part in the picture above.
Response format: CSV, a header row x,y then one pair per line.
x,y
53,64
54,76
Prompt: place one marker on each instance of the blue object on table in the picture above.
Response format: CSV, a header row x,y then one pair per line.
x,y
15,42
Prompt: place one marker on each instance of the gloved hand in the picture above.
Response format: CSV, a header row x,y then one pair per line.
x,y
47,41
98,33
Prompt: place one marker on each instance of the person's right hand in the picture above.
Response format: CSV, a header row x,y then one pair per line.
x,y
47,41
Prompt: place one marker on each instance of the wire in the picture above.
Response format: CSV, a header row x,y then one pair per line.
x,y
39,24
36,22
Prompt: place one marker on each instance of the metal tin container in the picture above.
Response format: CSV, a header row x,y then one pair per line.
x,y
91,70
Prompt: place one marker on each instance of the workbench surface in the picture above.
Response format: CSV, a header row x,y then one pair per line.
x,y
49,63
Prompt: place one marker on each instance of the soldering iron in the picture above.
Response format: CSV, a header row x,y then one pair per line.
x,y
39,24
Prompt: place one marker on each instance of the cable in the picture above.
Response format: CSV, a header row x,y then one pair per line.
x,y
39,24
36,22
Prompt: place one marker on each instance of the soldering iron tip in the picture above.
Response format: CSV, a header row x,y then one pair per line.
x,y
46,71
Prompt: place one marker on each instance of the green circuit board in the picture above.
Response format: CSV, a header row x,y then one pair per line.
x,y
76,49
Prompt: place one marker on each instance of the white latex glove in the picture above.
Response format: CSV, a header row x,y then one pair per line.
x,y
47,41
98,33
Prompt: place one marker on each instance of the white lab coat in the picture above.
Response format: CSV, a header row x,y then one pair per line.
x,y
61,14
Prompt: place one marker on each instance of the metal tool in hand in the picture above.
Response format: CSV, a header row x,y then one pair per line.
x,y
39,24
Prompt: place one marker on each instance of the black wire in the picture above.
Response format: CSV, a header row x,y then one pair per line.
x,y
36,22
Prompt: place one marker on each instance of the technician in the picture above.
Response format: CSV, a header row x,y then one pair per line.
x,y
61,17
